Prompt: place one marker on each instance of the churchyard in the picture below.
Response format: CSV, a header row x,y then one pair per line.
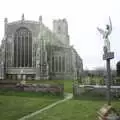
x,y
14,104
84,107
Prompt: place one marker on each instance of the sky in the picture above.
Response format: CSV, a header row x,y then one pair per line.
x,y
83,17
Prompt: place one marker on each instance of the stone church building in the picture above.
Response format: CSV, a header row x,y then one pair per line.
x,y
30,50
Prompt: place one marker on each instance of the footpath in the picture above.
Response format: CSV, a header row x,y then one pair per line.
x,y
67,96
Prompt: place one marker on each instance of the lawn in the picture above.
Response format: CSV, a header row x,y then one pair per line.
x,y
74,110
14,104
46,81
84,108
68,86
20,104
35,81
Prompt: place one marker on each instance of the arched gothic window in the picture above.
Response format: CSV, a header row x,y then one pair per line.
x,y
23,48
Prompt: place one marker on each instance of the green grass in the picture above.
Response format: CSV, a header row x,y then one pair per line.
x,y
74,110
9,92
46,81
36,81
14,107
68,86
16,104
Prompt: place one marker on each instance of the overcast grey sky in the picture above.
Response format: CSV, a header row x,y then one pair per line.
x,y
83,17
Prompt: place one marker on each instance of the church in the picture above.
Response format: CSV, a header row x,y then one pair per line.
x,y
31,51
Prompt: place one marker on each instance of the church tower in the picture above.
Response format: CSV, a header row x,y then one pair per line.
x,y
60,28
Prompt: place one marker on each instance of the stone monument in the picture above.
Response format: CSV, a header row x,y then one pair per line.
x,y
107,55
105,33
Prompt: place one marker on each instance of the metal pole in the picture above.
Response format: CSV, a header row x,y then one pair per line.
x,y
108,82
